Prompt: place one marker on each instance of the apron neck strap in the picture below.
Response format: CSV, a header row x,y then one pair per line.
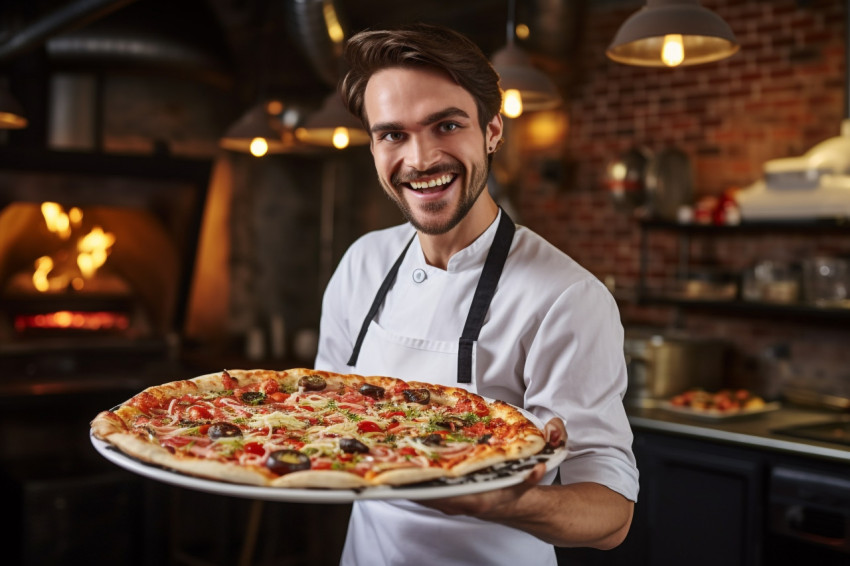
x,y
484,292
376,304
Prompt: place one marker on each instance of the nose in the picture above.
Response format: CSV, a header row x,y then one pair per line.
x,y
422,153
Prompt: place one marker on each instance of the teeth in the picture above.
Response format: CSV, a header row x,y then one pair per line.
x,y
432,183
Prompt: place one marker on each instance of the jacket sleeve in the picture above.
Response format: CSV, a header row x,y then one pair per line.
x,y
576,371
335,339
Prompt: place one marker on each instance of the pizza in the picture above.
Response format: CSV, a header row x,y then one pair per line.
x,y
303,428
723,401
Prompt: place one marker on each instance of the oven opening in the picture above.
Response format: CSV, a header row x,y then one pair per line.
x,y
95,268
86,271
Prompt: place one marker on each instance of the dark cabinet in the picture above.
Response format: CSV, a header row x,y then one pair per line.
x,y
698,504
706,503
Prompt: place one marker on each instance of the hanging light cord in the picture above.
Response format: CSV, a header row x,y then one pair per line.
x,y
511,23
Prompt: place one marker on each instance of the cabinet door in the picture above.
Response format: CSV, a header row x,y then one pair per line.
x,y
704,503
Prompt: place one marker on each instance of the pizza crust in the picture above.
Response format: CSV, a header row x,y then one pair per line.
x,y
211,469
329,479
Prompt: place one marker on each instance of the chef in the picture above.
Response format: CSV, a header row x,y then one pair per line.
x,y
460,295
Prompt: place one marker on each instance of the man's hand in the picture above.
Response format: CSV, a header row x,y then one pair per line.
x,y
578,514
498,501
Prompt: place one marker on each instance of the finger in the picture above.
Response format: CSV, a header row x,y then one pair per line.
x,y
555,432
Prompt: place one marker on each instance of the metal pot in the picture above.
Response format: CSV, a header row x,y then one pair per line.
x,y
661,366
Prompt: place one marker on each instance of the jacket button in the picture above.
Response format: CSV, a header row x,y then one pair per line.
x,y
419,275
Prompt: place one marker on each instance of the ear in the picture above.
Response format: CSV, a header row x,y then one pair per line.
x,y
493,133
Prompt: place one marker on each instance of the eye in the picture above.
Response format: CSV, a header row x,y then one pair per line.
x,y
449,126
391,136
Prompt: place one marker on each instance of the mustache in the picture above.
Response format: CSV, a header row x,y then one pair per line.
x,y
407,177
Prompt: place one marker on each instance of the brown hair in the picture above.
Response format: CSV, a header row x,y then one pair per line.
x,y
421,45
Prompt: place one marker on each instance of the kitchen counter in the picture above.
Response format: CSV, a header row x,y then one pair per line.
x,y
753,431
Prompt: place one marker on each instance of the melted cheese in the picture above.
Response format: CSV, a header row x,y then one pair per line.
x,y
275,420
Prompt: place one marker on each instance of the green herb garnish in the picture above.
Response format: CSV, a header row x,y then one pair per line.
x,y
353,417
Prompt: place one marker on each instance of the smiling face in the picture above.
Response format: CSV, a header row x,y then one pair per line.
x,y
429,150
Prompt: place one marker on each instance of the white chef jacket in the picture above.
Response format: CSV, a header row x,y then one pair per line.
x,y
552,343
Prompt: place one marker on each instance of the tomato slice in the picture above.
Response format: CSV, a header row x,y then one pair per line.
x,y
254,448
368,426
197,413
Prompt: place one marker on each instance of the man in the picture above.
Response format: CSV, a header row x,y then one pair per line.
x,y
546,337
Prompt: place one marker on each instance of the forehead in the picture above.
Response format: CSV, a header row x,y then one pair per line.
x,y
408,95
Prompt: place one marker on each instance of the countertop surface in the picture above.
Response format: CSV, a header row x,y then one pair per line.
x,y
753,431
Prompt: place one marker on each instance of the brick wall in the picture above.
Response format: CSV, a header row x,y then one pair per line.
x,y
781,94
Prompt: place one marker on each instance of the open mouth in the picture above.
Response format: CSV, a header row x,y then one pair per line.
x,y
434,185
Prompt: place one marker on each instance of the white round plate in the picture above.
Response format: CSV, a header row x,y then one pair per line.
x,y
506,475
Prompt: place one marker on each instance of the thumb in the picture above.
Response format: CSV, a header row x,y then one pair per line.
x,y
536,474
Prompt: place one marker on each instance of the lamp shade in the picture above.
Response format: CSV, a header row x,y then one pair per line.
x,y
332,126
537,90
258,127
11,112
693,33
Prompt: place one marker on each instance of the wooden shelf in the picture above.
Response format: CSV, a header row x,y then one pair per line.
x,y
751,308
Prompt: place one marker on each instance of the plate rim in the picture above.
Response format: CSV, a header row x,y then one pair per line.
x,y
465,486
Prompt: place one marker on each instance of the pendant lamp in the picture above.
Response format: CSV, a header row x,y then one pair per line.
x,y
671,33
259,132
11,113
525,87
332,126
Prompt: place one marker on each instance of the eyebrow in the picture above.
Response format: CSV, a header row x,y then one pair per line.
x,y
430,119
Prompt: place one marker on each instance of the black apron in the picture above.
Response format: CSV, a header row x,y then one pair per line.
x,y
484,292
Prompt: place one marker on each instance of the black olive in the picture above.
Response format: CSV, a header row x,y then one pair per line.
x,y
312,383
283,462
421,396
485,439
373,391
352,445
224,430
433,439
451,422
253,397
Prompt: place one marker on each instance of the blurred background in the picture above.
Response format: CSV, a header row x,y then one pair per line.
x,y
178,181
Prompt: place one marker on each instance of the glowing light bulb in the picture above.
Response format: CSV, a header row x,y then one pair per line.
x,y
340,138
619,171
512,106
522,31
332,23
673,50
259,147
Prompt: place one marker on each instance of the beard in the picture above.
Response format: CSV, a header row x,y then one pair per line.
x,y
430,223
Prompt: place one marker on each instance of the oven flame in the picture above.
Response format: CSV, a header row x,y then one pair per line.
x,y
43,266
93,248
70,266
57,220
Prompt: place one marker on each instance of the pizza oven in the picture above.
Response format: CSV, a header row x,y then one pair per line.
x,y
96,261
